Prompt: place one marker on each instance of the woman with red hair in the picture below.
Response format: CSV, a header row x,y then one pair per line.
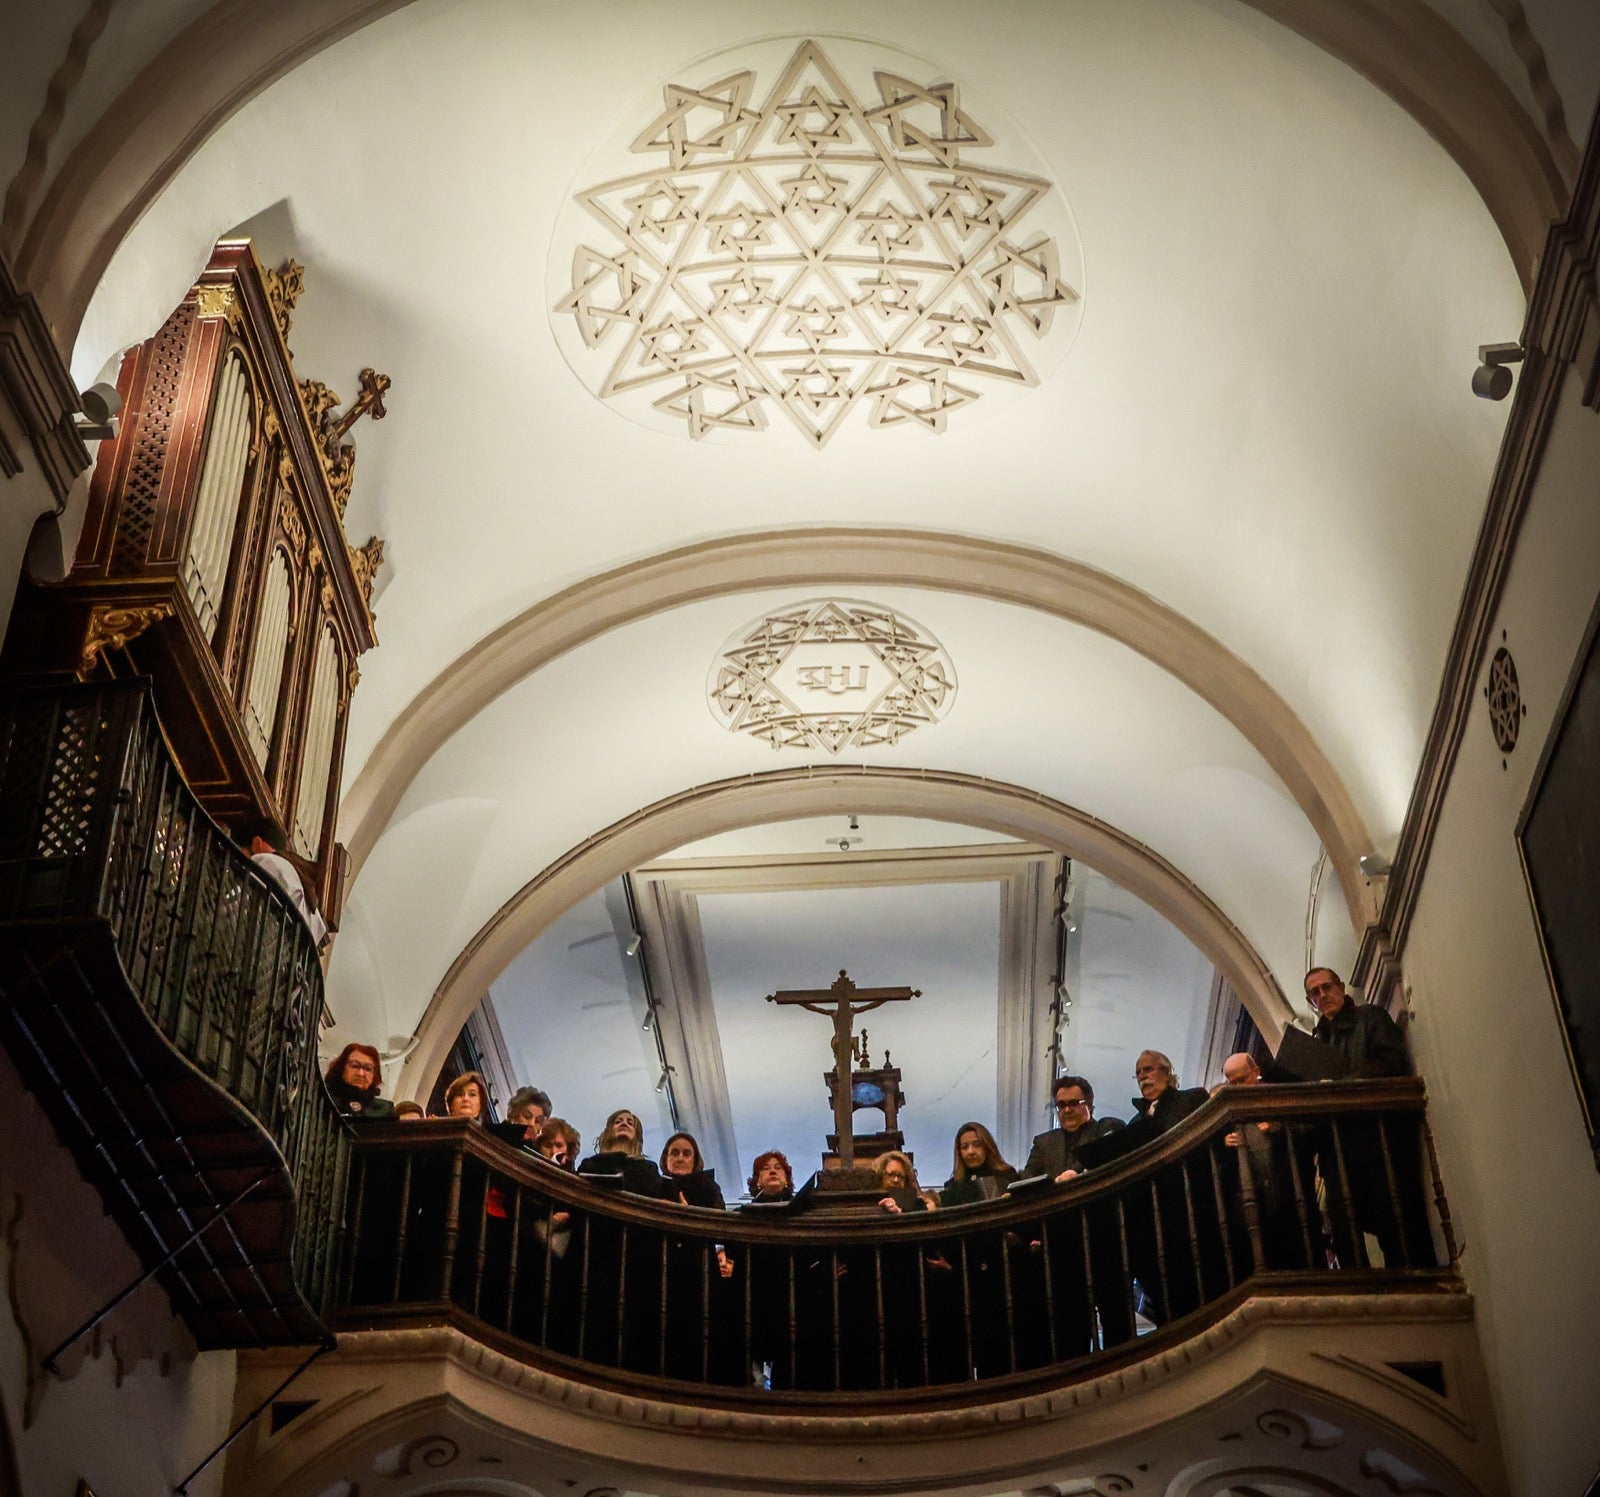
x,y
354,1080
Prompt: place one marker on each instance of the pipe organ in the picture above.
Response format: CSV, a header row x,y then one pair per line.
x,y
213,559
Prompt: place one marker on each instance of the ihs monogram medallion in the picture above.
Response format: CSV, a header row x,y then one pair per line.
x,y
853,237
831,674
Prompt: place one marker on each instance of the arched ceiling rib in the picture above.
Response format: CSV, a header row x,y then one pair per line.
x,y
219,61
1158,779
1259,466
1221,436
779,794
846,559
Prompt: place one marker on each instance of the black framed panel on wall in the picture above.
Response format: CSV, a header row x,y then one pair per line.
x,y
1559,839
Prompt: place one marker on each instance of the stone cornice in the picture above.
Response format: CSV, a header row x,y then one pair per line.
x,y
38,390
371,1349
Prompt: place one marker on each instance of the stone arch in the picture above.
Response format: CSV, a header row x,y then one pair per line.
x,y
842,556
230,53
782,795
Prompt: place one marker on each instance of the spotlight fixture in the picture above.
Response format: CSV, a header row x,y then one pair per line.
x,y
100,405
649,1018
666,1071
635,941
1491,380
1063,995
844,844
855,822
1373,865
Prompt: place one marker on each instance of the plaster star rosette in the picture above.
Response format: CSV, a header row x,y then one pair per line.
x,y
831,674
813,236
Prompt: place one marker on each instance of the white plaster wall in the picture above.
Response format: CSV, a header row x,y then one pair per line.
x,y
1517,1167
136,1407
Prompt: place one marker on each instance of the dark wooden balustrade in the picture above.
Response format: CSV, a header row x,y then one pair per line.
x,y
161,998
447,1224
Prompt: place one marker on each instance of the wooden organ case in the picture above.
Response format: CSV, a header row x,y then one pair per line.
x,y
213,560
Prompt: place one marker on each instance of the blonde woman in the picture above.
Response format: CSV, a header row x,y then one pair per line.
x,y
619,1156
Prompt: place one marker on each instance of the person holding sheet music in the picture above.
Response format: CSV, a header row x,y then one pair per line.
x,y
1363,1033
1380,1158
1054,1154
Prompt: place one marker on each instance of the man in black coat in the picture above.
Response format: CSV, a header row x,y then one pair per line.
x,y
1362,1032
1170,1265
1054,1156
1377,1165
1160,1097
1055,1152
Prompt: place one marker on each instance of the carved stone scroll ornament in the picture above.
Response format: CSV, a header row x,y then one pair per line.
x,y
112,626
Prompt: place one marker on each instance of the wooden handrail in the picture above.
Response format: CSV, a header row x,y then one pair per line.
x,y
1231,1107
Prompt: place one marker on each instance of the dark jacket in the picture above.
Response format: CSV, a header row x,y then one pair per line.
x,y
360,1103
1057,1150
1172,1106
1368,1038
983,1184
697,1189
633,1174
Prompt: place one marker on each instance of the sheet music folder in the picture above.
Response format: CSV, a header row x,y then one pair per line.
x,y
1301,1058
1102,1151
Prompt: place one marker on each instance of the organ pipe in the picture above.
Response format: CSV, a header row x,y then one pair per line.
x,y
271,651
216,509
316,762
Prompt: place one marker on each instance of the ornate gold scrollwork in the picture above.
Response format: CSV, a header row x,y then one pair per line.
x,y
284,286
289,519
269,424
364,562
217,301
339,456
113,625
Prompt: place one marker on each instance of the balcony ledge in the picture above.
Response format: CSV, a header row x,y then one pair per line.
x,y
1320,1367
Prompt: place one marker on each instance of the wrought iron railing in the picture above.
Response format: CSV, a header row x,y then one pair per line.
x,y
101,837
1304,1189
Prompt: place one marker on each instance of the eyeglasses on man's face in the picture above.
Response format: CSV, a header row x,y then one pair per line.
x,y
1063,1103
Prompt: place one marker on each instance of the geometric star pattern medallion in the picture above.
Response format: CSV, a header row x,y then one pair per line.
x,y
831,674
812,252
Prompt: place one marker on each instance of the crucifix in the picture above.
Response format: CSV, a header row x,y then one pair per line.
x,y
369,403
842,1002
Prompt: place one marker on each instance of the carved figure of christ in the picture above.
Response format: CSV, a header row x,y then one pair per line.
x,y
842,1002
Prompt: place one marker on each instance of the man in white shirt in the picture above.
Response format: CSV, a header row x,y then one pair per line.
x,y
287,877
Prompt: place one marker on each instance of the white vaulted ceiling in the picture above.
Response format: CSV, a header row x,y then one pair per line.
x,y
1262,423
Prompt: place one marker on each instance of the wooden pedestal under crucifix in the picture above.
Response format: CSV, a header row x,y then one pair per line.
x,y
842,1003
873,1088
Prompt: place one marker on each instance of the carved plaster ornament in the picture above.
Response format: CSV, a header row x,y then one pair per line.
x,y
853,236
112,626
831,674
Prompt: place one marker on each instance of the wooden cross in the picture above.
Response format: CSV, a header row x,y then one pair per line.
x,y
368,403
842,1002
